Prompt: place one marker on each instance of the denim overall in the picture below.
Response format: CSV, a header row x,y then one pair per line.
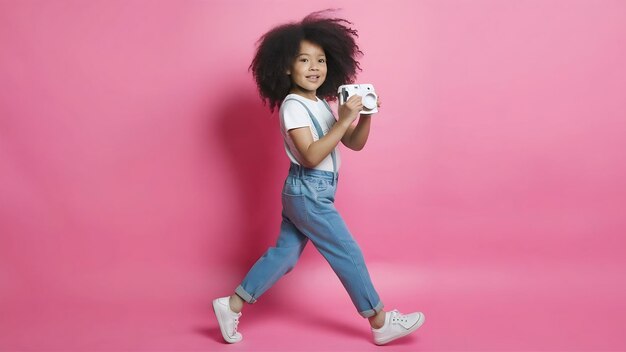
x,y
309,213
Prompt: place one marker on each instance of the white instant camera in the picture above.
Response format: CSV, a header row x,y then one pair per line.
x,y
366,91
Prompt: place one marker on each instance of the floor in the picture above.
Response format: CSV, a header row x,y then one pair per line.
x,y
521,308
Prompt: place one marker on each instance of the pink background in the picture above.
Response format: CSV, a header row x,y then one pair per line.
x,y
140,176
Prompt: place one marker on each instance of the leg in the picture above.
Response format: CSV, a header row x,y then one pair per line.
x,y
332,239
236,303
377,321
276,262
321,223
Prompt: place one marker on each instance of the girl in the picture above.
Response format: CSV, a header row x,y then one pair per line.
x,y
295,65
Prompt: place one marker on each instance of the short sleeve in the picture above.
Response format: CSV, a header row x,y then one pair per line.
x,y
294,115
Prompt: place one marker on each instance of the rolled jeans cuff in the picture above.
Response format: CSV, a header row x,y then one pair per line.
x,y
371,312
244,295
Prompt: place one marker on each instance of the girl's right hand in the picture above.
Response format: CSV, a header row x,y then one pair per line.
x,y
350,110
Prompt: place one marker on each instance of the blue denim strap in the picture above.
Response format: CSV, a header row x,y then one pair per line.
x,y
328,106
319,130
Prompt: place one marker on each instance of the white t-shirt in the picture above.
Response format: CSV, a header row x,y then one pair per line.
x,y
294,115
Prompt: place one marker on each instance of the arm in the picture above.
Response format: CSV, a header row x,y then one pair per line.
x,y
356,136
313,152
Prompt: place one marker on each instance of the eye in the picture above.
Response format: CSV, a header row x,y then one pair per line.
x,y
304,60
322,60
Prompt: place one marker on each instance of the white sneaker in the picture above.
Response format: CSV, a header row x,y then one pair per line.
x,y
227,319
397,325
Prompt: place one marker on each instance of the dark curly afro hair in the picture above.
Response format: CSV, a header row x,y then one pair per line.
x,y
277,49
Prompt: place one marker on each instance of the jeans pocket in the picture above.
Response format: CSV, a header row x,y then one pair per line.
x,y
295,208
291,188
318,184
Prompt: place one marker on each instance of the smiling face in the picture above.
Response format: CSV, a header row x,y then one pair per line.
x,y
308,71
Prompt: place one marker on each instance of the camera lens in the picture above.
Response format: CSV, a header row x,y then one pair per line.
x,y
369,101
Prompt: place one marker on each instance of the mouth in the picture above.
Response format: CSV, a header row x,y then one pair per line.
x,y
313,78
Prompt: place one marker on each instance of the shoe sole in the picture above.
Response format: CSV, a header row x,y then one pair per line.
x,y
219,322
417,324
